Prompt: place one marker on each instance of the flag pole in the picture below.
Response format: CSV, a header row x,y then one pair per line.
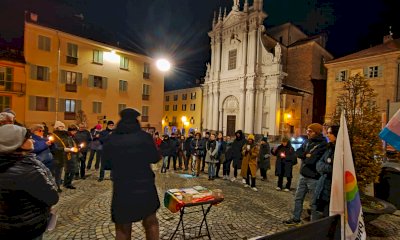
x,y
344,182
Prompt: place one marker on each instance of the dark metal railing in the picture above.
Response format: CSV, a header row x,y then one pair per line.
x,y
12,87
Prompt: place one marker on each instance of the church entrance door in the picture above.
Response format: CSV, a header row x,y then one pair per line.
x,y
230,125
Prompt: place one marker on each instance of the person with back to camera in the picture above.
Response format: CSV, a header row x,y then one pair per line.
x,y
264,158
285,160
131,152
27,188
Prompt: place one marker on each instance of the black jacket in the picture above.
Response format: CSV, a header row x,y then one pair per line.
x,y
188,141
285,159
84,137
27,191
310,152
197,147
165,149
236,149
131,152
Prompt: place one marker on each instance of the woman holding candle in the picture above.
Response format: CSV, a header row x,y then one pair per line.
x,y
285,159
42,146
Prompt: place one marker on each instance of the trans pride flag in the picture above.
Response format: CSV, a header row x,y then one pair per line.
x,y
345,197
391,132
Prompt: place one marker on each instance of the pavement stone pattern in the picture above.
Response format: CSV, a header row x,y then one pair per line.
x,y
84,213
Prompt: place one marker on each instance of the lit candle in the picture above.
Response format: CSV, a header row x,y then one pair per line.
x,y
74,149
82,145
51,138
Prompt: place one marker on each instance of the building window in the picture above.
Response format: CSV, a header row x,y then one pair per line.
x,y
174,120
373,72
146,92
70,109
123,86
97,82
5,102
98,56
175,97
44,43
183,107
40,73
175,107
193,95
184,96
166,108
121,107
124,63
42,104
342,75
232,59
192,107
37,103
6,76
145,113
96,107
72,53
167,98
146,71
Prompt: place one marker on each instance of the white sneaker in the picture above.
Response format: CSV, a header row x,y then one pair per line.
x,y
244,181
286,190
233,179
246,186
254,189
278,188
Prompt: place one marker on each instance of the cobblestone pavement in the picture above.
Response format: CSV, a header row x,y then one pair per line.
x,y
84,213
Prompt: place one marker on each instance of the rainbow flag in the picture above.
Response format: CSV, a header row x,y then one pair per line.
x,y
345,197
391,132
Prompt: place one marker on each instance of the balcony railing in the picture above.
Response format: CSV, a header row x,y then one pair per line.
x,y
146,75
145,118
72,60
12,87
145,97
69,115
71,87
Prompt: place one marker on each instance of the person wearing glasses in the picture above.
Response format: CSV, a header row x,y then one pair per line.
x,y
42,146
309,153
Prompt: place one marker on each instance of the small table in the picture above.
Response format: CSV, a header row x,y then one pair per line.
x,y
174,203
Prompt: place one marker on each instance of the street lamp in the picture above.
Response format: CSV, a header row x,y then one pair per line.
x,y
163,64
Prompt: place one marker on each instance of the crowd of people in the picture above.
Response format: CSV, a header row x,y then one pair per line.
x,y
33,161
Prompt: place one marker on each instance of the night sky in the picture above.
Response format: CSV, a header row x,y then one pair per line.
x,y
178,28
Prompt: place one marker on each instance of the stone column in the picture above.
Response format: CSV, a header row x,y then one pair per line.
x,y
242,109
221,120
215,110
259,111
250,112
209,110
204,107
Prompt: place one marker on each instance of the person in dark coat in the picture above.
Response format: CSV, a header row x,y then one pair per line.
x,y
42,146
264,158
27,188
105,163
83,138
188,141
174,146
165,149
221,153
236,151
181,151
203,156
228,158
95,147
197,150
285,159
322,194
131,152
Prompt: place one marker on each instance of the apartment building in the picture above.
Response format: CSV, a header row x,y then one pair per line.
x,y
182,110
70,77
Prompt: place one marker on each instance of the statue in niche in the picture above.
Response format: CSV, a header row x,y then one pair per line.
x,y
278,53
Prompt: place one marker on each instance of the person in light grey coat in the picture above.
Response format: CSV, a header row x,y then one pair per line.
x,y
211,156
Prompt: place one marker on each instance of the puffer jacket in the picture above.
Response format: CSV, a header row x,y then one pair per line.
x,y
310,152
27,191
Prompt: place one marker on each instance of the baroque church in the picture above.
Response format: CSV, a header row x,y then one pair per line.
x,y
262,81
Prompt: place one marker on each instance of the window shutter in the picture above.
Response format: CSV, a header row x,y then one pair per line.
x,y
101,56
79,79
52,104
78,105
33,71
63,76
366,72
94,107
347,75
337,76
32,103
104,83
380,71
46,73
9,74
61,105
91,81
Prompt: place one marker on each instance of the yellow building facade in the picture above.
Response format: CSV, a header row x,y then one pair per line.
x,y
12,83
182,111
379,64
66,74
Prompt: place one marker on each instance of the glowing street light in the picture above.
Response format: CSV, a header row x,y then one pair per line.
x,y
163,64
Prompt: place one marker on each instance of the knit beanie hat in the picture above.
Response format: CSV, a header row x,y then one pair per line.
x,y
110,122
98,127
11,137
264,139
58,124
316,127
72,127
251,136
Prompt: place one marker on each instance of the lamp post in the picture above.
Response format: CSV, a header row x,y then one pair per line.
x,y
184,120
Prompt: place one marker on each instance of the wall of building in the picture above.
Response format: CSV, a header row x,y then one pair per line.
x,y
194,117
110,96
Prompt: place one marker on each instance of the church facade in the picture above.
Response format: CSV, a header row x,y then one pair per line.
x,y
244,86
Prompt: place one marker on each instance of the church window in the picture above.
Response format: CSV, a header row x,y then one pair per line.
x,y
232,59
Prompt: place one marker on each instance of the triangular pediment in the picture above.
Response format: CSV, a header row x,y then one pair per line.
x,y
233,18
